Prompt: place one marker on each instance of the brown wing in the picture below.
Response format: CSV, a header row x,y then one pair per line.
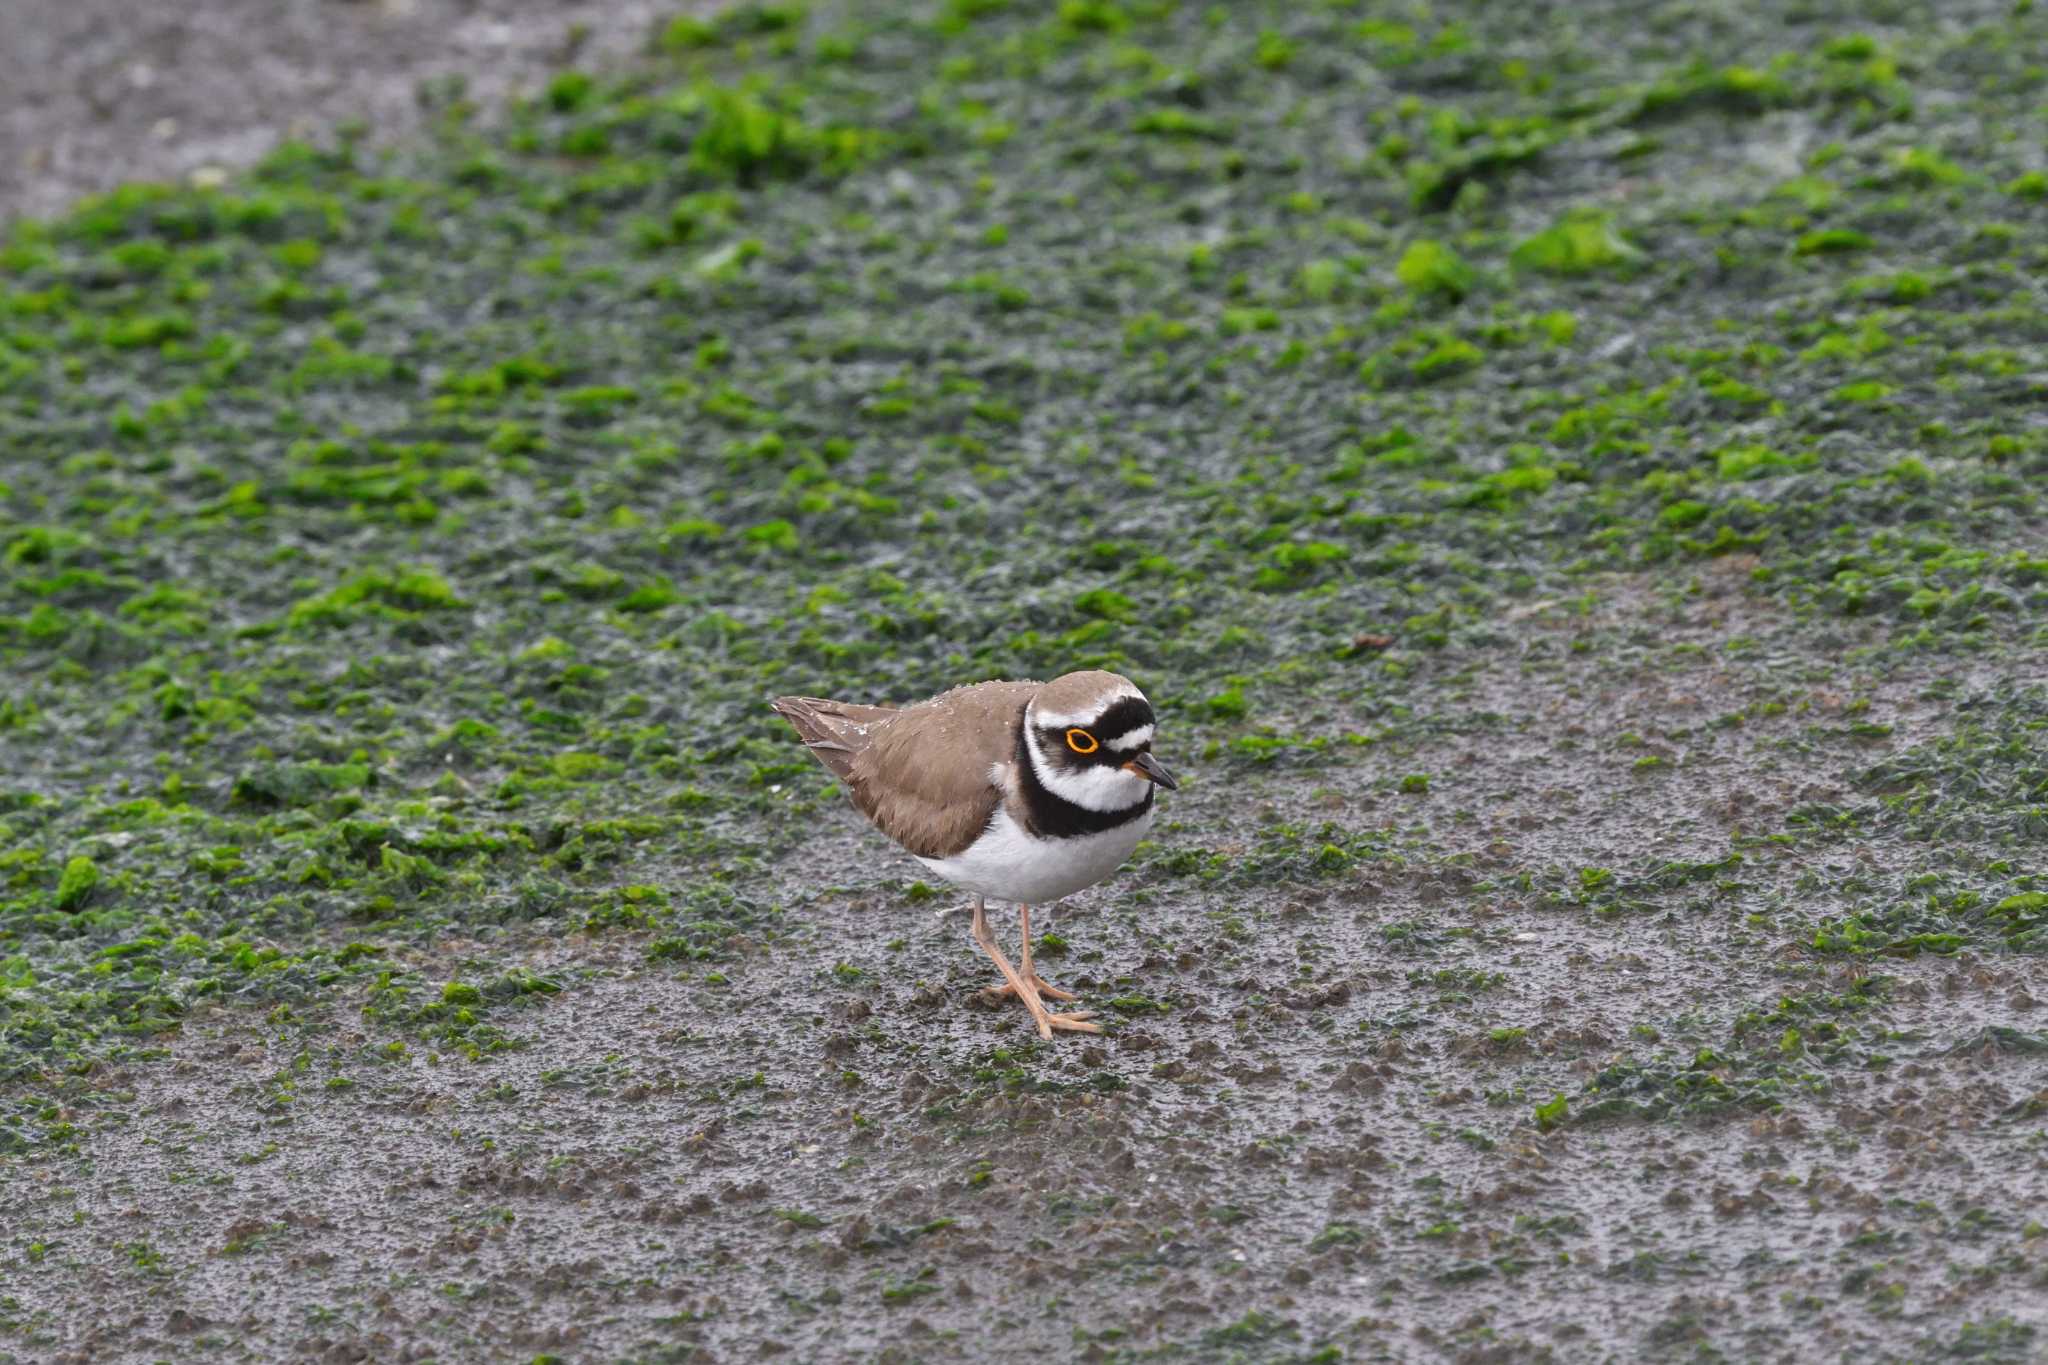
x,y
922,774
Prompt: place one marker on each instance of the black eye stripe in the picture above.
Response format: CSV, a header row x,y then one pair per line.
x,y
1119,720
1128,714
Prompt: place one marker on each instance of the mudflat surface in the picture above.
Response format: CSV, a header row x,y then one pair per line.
x,y
101,92
1571,486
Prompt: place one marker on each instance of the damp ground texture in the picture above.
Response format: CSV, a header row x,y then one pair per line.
x,y
1570,478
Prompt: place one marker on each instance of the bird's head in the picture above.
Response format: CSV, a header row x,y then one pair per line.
x,y
1090,739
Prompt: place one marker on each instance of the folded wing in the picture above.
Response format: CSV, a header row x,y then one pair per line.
x,y
926,775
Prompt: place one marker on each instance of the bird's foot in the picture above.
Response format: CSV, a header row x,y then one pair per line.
x,y
1024,983
1046,990
1077,1021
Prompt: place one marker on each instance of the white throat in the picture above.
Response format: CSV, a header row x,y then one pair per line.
x,y
1094,788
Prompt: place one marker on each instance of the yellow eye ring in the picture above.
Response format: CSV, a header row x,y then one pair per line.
x,y
1081,742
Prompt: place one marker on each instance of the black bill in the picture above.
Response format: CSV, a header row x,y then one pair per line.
x,y
1152,770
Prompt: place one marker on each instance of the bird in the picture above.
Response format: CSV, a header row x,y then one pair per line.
x,y
1013,790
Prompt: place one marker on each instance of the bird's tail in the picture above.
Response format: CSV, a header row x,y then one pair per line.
x,y
832,730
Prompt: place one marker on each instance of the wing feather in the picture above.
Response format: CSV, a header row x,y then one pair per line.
x,y
926,775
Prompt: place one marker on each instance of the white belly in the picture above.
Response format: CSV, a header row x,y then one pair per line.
x,y
1010,865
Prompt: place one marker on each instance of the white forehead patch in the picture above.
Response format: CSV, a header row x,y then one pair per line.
x,y
1131,739
1060,720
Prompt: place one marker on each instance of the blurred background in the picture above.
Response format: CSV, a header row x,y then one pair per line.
x,y
99,92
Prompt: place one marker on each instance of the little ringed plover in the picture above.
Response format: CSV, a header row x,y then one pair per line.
x,y
1020,791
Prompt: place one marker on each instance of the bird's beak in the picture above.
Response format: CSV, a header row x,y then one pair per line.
x,y
1152,770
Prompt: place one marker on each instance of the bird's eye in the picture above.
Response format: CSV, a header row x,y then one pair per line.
x,y
1081,742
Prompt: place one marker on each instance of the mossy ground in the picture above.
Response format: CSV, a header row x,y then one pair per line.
x,y
1570,482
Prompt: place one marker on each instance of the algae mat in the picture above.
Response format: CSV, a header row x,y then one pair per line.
x,y
1569,479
